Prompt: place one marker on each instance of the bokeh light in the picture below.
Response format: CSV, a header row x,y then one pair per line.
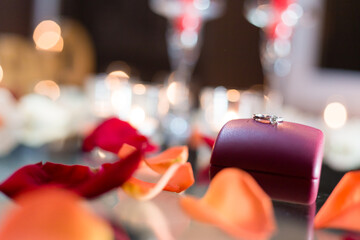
x,y
139,89
335,115
201,4
48,88
137,116
47,36
189,38
118,74
1,73
114,79
233,95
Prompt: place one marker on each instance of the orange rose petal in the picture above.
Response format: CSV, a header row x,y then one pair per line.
x,y
235,203
342,209
53,214
177,178
164,160
126,150
182,179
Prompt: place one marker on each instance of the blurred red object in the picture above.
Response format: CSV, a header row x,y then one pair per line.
x,y
83,180
111,134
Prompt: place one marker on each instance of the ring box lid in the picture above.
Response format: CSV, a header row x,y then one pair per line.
x,y
288,149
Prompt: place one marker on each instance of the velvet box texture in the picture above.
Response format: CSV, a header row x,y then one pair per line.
x,y
285,158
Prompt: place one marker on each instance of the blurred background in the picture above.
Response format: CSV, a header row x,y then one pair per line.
x,y
130,31
171,67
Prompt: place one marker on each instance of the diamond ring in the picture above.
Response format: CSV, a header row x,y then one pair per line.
x,y
267,118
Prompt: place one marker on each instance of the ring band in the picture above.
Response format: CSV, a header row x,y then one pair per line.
x,y
267,118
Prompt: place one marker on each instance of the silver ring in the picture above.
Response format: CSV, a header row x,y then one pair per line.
x,y
267,118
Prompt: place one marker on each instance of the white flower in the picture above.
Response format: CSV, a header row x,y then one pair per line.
x,y
43,120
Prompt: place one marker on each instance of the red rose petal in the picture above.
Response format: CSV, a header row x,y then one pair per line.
x,y
111,134
197,139
79,179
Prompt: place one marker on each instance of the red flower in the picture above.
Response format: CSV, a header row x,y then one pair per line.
x,y
82,180
111,134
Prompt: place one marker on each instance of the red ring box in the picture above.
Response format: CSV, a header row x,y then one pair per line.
x,y
285,159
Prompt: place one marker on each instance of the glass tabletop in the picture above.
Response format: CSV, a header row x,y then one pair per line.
x,y
162,217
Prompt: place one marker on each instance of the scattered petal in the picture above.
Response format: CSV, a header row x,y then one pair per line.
x,y
83,180
342,209
126,150
164,160
53,214
236,204
111,134
209,141
177,178
197,139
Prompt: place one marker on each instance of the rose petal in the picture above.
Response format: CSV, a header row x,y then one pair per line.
x,y
126,150
197,138
53,214
342,209
177,178
235,203
80,179
209,141
111,134
164,160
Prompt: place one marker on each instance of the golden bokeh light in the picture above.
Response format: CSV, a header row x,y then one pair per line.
x,y
139,89
335,115
48,88
46,26
114,79
119,74
233,95
47,36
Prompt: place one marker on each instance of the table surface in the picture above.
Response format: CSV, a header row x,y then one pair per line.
x,y
162,218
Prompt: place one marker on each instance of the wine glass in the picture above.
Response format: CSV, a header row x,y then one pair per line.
x,y
184,37
277,20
